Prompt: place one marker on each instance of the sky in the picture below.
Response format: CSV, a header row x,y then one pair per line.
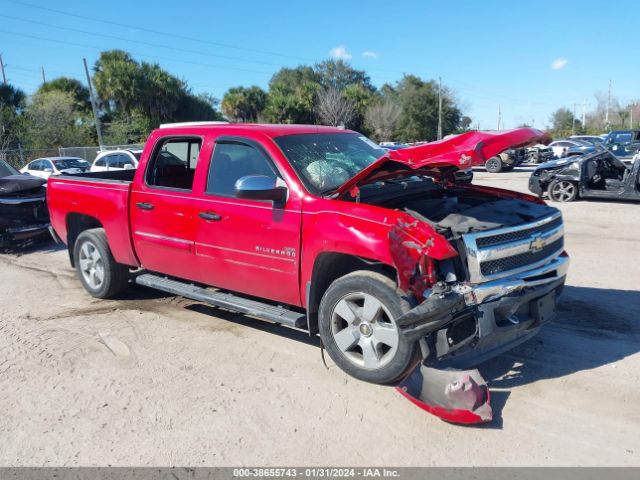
x,y
525,59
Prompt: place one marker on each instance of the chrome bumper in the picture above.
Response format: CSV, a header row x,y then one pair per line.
x,y
549,273
472,323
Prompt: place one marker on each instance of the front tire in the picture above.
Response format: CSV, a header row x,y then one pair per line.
x,y
562,191
99,273
357,326
493,165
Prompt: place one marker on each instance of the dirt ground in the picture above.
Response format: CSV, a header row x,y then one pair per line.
x,y
155,380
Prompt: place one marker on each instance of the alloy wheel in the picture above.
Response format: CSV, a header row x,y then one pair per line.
x,y
364,330
563,191
91,265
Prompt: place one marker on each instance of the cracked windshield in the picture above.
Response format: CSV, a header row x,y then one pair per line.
x,y
327,160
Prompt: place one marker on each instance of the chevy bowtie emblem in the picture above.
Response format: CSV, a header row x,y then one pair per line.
x,y
538,243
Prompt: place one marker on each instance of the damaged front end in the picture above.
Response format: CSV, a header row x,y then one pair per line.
x,y
23,210
486,295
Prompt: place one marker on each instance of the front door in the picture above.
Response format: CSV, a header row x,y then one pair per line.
x,y
163,210
248,246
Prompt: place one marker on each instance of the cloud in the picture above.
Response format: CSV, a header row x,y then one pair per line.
x,y
369,54
559,63
340,53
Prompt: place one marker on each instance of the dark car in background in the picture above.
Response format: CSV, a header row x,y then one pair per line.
x,y
623,144
571,147
597,175
23,209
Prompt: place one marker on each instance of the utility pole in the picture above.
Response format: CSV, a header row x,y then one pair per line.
x,y
4,78
439,108
44,80
631,117
94,104
606,118
499,116
584,113
573,125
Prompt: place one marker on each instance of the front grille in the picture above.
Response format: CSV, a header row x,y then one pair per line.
x,y
494,267
511,250
517,235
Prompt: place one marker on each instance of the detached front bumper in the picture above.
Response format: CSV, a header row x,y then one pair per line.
x,y
469,324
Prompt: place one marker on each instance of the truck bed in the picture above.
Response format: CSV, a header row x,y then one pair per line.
x,y
99,198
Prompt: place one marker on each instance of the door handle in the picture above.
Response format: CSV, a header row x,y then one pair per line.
x,y
145,206
210,216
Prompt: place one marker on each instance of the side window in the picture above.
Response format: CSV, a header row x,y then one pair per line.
x,y
100,162
174,163
46,164
232,161
125,160
116,161
35,165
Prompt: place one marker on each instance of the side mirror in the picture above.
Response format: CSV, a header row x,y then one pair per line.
x,y
128,166
259,187
48,170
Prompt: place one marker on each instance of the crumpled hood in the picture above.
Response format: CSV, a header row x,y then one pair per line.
x,y
20,183
459,152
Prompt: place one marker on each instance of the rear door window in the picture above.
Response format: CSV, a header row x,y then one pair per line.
x,y
174,163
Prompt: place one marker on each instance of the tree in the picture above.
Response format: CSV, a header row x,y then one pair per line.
x,y
79,92
292,96
118,81
159,92
338,74
244,104
333,109
12,103
382,119
360,97
564,123
419,102
197,108
53,120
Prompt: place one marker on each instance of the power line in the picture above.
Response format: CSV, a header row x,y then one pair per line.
x,y
156,32
200,64
139,42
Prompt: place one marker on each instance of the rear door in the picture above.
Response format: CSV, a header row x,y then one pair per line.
x,y
248,246
162,207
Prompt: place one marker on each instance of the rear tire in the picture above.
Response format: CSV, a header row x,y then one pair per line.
x,y
356,320
98,272
562,191
493,165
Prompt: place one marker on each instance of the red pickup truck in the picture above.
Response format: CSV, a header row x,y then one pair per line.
x,y
380,252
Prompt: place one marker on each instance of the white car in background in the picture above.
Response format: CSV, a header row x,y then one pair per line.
x,y
116,160
45,167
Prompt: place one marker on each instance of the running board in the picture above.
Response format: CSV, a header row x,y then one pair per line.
x,y
229,301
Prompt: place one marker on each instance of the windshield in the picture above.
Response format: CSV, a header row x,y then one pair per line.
x,y
325,161
69,163
137,154
6,169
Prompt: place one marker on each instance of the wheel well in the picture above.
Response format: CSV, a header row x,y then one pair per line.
x,y
76,224
328,267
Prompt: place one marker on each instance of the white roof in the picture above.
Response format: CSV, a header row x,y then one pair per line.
x,y
191,124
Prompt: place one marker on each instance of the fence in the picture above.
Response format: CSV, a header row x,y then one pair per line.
x,y
90,153
20,157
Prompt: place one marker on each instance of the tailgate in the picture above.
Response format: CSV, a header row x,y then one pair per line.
x,y
96,199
